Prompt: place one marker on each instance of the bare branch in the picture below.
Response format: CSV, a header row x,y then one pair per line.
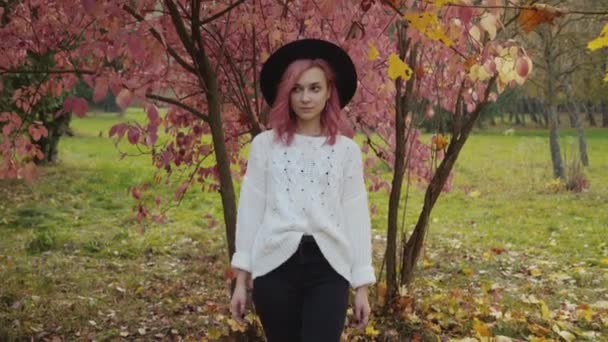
x,y
219,14
177,103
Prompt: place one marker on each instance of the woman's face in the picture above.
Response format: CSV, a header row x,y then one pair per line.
x,y
309,94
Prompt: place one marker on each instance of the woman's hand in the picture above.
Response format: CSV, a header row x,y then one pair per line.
x,y
238,302
239,296
361,307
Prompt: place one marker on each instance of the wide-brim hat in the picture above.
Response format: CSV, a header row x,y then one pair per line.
x,y
341,63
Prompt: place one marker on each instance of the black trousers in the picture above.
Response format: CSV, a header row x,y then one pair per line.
x,y
304,299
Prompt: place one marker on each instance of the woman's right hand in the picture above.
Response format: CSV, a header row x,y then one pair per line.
x,y
239,297
239,302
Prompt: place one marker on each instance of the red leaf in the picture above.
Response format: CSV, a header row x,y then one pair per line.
x,y
76,105
133,135
135,47
101,89
136,193
366,5
153,115
37,132
465,14
119,130
89,6
152,137
523,66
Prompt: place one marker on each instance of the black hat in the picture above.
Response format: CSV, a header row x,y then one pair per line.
x,y
338,59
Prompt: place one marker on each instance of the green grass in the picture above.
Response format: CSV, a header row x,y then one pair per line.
x,y
75,263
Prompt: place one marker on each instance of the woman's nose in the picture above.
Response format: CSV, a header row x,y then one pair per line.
x,y
305,96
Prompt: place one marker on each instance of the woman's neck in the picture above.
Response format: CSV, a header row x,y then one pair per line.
x,y
310,128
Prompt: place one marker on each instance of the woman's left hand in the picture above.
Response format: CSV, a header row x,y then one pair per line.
x,y
361,308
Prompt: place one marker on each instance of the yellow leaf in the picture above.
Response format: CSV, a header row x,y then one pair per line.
x,y
539,339
604,261
587,314
606,78
535,272
440,3
371,331
235,325
428,24
398,68
481,328
479,72
601,41
214,333
488,23
467,271
475,193
373,52
544,310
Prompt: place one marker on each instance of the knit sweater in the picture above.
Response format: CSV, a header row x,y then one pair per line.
x,y
309,187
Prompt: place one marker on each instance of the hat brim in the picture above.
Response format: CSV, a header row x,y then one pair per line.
x,y
341,63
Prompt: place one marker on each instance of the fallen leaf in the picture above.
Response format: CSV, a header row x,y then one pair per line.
x,y
544,310
371,331
481,328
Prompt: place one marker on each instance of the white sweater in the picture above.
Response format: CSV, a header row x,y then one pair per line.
x,y
309,187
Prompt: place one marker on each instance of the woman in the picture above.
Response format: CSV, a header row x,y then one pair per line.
x,y
303,228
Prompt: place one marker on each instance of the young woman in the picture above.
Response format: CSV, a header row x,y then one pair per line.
x,y
303,232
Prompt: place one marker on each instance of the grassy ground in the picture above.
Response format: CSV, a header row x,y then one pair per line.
x,y
505,255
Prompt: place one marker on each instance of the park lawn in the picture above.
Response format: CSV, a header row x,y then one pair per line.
x,y
504,255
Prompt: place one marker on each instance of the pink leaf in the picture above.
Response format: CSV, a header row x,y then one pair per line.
x,y
118,130
89,6
133,135
123,100
101,89
523,66
37,132
153,115
429,112
76,105
151,138
135,47
465,14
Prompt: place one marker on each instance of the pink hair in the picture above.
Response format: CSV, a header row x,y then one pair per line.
x,y
283,120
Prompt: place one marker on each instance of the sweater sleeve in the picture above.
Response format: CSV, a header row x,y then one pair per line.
x,y
252,203
357,219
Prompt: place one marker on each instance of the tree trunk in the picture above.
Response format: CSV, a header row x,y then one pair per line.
x,y
572,117
412,249
56,128
580,131
604,114
401,110
556,156
527,108
552,113
545,113
589,110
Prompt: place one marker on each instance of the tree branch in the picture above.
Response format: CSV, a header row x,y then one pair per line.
x,y
159,38
219,14
177,103
51,71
